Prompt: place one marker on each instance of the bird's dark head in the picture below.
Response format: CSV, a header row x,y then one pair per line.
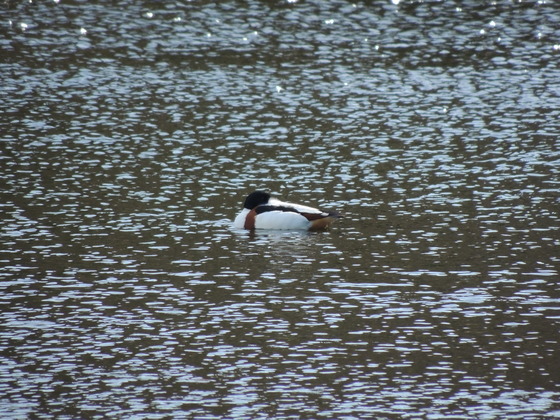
x,y
255,199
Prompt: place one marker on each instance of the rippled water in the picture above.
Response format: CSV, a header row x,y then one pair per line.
x,y
130,134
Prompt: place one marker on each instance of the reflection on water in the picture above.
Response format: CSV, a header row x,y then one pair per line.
x,y
130,135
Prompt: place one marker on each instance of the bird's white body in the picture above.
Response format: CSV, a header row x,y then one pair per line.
x,y
281,220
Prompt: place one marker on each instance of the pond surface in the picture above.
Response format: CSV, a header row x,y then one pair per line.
x,y
131,132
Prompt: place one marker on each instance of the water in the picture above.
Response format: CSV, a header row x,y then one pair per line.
x,y
130,135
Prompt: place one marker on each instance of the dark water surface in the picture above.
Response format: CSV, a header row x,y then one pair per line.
x,y
130,133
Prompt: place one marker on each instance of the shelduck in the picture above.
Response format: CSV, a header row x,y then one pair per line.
x,y
260,211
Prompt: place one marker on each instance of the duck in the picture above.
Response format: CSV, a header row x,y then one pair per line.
x,y
261,211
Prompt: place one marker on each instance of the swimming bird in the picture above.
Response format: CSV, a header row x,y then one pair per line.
x,y
260,211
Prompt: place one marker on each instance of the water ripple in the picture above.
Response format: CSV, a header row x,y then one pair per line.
x,y
130,135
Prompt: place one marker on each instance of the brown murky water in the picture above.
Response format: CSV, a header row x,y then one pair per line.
x,y
130,134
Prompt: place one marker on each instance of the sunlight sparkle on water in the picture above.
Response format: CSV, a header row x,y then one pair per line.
x,y
127,292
